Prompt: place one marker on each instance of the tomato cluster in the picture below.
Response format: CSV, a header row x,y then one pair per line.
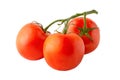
x,y
62,51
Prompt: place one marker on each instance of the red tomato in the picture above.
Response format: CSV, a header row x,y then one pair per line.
x,y
30,41
90,37
63,51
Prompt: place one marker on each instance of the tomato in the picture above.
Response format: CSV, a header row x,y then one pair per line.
x,y
63,51
29,41
90,36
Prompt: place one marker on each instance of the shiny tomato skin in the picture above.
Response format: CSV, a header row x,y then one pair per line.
x,y
29,41
76,23
63,51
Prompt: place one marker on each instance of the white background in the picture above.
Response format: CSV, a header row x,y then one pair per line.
x,y
102,64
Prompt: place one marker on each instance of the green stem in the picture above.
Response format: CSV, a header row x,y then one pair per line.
x,y
66,26
66,20
59,20
87,13
85,26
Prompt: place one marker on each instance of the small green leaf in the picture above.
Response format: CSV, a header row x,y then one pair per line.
x,y
88,35
90,29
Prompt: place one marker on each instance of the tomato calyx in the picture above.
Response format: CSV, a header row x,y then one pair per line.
x,y
41,26
66,20
85,31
